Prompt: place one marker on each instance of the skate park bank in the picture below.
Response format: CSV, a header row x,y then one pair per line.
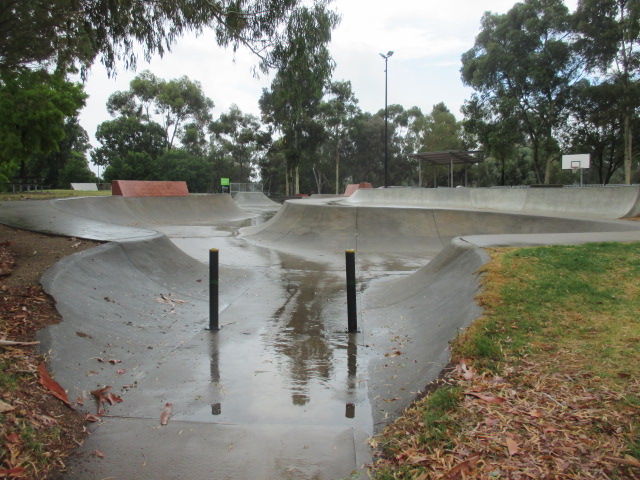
x,y
281,389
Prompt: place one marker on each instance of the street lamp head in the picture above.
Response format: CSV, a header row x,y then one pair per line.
x,y
389,53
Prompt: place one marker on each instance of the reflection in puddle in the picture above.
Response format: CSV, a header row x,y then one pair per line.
x,y
302,332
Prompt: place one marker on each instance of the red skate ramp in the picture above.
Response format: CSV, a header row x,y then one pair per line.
x,y
137,188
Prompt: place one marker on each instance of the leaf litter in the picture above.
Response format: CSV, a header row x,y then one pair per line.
x,y
536,415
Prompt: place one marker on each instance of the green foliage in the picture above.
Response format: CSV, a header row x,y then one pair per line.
x,y
75,170
129,148
178,164
33,109
609,44
523,67
67,164
179,106
240,137
304,68
76,31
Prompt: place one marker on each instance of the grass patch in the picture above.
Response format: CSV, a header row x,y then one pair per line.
x,y
546,379
51,194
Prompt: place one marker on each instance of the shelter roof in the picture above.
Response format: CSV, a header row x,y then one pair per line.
x,y
449,157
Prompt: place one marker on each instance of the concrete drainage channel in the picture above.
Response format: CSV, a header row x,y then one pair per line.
x,y
281,390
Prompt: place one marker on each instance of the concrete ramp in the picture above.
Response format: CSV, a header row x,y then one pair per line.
x,y
322,229
254,199
601,202
188,210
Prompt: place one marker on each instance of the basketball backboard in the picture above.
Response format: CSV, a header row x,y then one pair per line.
x,y
571,162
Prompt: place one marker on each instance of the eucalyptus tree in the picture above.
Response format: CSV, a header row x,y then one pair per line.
x,y
522,67
241,136
177,105
596,126
62,32
304,69
336,111
610,45
499,137
34,106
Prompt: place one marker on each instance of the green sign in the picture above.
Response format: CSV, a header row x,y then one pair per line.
x,y
224,181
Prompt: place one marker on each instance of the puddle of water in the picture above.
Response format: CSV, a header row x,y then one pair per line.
x,y
283,355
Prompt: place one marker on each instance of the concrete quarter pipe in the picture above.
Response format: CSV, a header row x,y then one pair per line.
x,y
281,391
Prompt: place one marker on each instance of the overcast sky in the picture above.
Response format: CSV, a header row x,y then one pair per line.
x,y
428,38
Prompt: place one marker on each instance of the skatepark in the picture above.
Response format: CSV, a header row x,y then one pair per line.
x,y
281,390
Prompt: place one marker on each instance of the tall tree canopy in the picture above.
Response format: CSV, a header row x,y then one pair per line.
x,y
610,45
304,70
522,67
76,31
177,105
33,109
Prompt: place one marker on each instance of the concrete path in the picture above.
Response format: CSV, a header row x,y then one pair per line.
x,y
281,391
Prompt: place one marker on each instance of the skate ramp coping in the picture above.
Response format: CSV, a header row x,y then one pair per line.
x,y
254,199
598,202
139,188
85,187
351,188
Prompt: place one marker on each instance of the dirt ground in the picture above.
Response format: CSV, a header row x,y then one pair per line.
x,y
37,430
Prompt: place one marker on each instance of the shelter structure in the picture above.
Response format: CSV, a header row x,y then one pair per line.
x,y
447,157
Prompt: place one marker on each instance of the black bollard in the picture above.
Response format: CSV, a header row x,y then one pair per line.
x,y
352,312
213,289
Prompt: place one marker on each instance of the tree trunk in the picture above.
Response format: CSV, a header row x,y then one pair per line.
x,y
547,170
628,148
286,178
337,169
297,180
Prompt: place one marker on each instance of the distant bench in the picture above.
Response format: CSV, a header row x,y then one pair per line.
x,y
26,184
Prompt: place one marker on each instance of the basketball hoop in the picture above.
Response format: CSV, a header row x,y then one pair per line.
x,y
575,165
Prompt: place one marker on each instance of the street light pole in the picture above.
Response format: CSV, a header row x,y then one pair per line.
x,y
386,119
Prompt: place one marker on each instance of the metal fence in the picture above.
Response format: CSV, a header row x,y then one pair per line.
x,y
246,187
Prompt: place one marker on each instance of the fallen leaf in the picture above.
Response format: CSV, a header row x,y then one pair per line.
x,y
166,413
12,472
13,438
486,398
627,460
121,371
464,466
54,387
98,453
512,445
5,407
112,398
113,361
102,395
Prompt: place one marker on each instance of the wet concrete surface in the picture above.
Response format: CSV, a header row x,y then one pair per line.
x,y
282,361
281,391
